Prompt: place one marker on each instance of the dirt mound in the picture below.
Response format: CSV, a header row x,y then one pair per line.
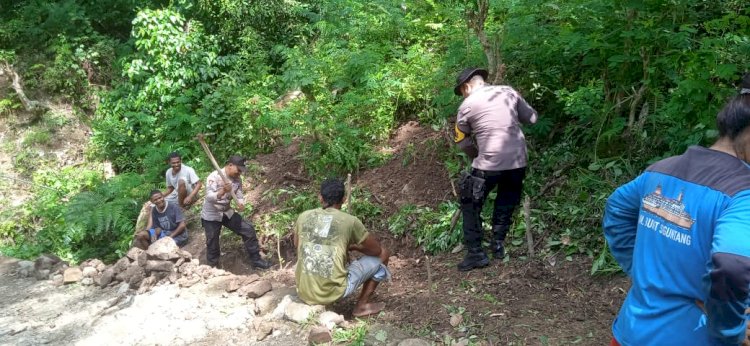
x,y
415,175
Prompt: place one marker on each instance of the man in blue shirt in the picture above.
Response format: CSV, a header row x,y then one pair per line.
x,y
681,232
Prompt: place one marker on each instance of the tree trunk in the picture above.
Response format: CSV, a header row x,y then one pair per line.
x,y
29,105
475,21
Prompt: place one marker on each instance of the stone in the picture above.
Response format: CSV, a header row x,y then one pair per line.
x,y
107,276
101,267
57,280
72,275
217,285
204,271
142,259
278,312
42,274
163,249
413,342
233,284
94,263
133,276
319,335
87,281
186,255
146,284
270,300
89,272
25,268
46,261
456,319
123,289
255,289
187,268
121,265
262,329
219,272
173,277
330,319
59,267
299,312
188,281
179,262
159,266
134,252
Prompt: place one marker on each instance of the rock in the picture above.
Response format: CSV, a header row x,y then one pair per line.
x,y
217,285
179,262
133,253
187,268
173,277
164,249
319,335
121,265
188,281
266,303
57,279
255,289
123,289
42,274
456,319
204,271
25,268
94,263
72,275
262,329
186,255
278,312
87,281
299,312
233,284
101,267
142,259
330,319
59,267
106,277
413,342
89,272
146,284
219,272
46,261
133,276
159,266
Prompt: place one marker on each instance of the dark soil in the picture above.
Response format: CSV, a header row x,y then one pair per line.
x,y
542,301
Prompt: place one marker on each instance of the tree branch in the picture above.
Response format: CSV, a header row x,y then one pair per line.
x,y
29,105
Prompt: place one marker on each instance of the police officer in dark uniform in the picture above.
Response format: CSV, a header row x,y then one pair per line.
x,y
488,130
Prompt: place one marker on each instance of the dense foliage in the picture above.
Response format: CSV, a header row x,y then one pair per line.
x,y
618,84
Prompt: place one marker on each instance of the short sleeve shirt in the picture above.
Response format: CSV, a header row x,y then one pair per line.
x,y
187,173
169,219
493,115
324,238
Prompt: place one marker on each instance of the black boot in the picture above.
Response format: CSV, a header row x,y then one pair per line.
x,y
475,258
498,240
260,263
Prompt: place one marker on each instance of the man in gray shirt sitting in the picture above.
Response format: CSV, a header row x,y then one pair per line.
x,y
183,184
166,220
488,130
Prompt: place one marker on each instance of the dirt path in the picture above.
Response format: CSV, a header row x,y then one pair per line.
x,y
38,312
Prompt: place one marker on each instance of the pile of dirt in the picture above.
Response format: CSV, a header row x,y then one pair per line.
x,y
415,175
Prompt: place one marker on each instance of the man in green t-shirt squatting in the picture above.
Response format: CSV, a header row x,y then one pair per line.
x,y
322,238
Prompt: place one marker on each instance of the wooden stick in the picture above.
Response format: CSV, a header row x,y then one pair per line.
x,y
527,219
216,165
348,185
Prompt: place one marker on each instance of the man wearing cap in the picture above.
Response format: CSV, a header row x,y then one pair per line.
x,y
218,212
488,130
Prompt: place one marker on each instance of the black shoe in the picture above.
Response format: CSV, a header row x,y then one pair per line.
x,y
260,264
498,251
474,259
